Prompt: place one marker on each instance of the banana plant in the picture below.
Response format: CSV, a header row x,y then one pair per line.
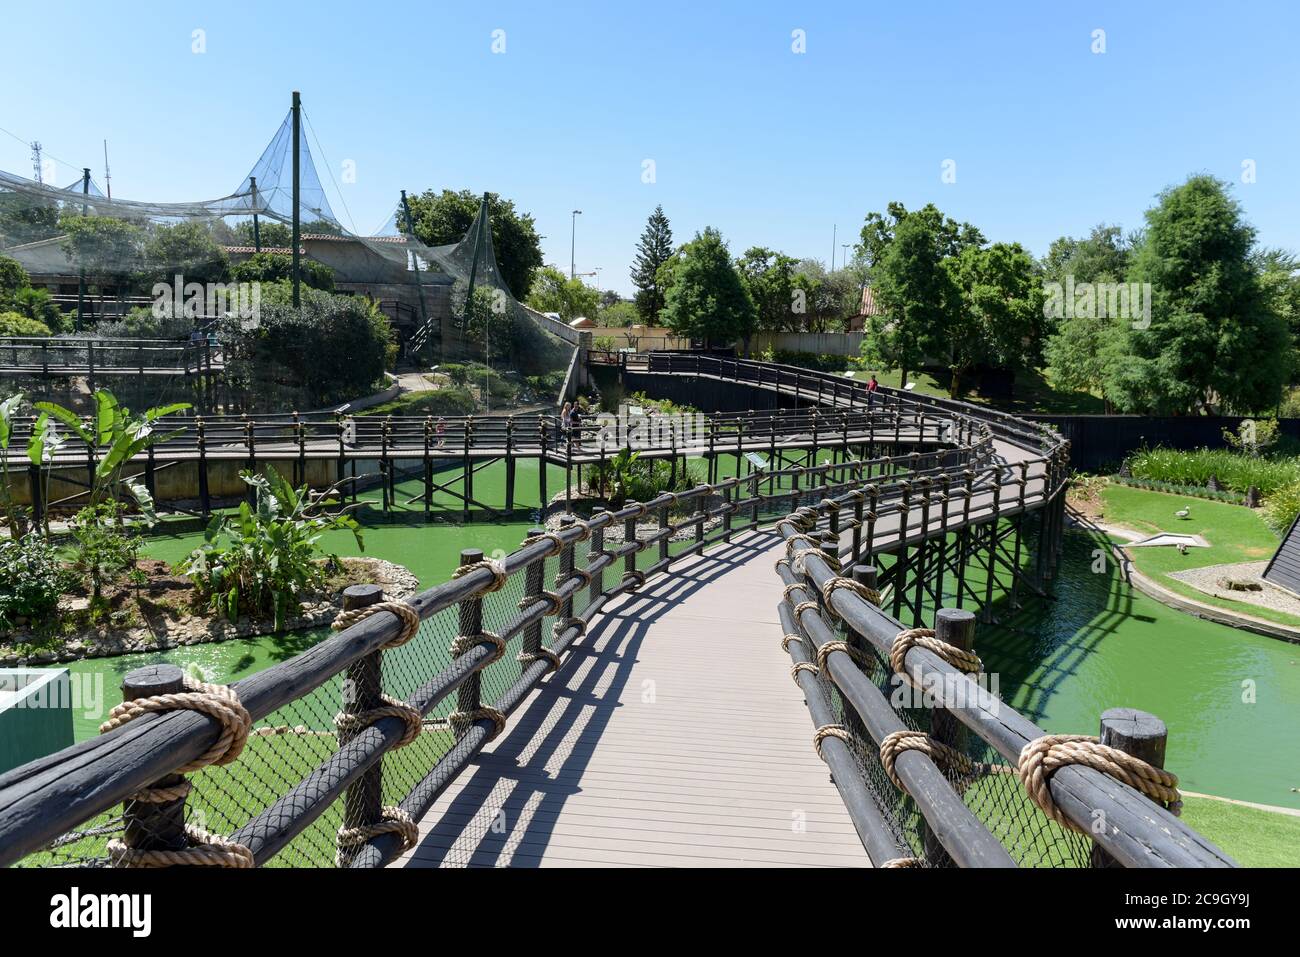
x,y
118,436
13,516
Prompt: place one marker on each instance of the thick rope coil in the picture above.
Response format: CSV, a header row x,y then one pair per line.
x,y
641,509
904,862
205,850
560,627
497,568
856,494
636,577
461,720
829,731
162,795
787,638
464,643
802,666
779,562
353,723
865,592
216,701
804,606
826,648
553,602
892,745
557,543
870,516
796,539
789,590
1043,757
582,573
584,531
409,617
541,654
392,820
830,505
965,661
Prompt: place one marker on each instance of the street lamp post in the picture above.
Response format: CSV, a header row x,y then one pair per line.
x,y
573,237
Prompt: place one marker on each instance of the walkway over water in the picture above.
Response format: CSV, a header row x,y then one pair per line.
x,y
618,690
674,737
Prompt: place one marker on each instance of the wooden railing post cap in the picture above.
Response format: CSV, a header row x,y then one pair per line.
x,y
153,680
1135,732
468,556
361,596
956,626
865,575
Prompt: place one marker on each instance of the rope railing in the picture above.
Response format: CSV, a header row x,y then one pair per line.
x,y
835,518
1074,782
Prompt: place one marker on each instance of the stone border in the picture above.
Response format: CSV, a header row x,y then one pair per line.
x,y
1220,616
397,581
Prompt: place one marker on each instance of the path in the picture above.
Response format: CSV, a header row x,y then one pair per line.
x,y
675,737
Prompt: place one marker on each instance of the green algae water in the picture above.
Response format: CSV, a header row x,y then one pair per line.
x,y
1230,698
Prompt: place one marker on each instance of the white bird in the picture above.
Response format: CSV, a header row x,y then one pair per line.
x,y
1184,513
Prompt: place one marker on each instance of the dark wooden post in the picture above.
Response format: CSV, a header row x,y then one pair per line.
x,y
155,826
510,465
541,467
469,622
205,499
594,551
1137,733
531,639
629,536
362,690
663,539
467,483
566,567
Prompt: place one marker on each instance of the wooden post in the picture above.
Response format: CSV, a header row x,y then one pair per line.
x,y
531,639
467,481
566,566
594,551
629,536
151,826
362,690
205,499
1137,733
469,622
510,465
663,539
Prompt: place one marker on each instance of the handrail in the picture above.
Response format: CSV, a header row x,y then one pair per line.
x,y
50,796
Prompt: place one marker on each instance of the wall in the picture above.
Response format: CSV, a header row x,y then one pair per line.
x,y
1101,442
35,714
819,343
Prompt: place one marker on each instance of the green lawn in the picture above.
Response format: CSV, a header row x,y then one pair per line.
x,y
1033,392
1235,534
1255,838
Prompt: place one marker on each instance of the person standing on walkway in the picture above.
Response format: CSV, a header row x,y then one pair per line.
x,y
872,386
566,419
440,429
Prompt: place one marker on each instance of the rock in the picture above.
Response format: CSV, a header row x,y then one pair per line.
x,y
1252,497
1239,584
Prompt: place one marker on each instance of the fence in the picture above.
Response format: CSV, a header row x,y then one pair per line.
x,y
331,756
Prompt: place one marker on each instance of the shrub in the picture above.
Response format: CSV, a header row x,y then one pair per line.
x,y
274,267
263,559
31,580
1232,469
332,349
1281,507
432,402
141,323
16,324
102,547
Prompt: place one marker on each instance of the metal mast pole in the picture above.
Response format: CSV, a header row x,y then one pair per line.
x,y
257,231
297,263
415,260
81,272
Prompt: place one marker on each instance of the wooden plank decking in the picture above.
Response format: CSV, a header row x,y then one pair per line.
x,y
674,737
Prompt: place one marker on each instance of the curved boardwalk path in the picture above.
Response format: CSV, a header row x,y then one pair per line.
x,y
674,738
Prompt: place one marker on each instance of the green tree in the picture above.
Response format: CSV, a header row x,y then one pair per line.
x,y
880,229
1214,340
105,247
552,291
272,234
769,278
999,305
620,314
443,218
916,293
187,249
277,267
707,299
825,300
653,249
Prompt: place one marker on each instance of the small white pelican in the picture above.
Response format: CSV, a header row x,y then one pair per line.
x,y
1184,513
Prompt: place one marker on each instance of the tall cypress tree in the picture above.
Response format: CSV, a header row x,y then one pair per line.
x,y
654,248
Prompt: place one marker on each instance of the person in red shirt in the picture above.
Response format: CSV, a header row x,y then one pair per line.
x,y
872,386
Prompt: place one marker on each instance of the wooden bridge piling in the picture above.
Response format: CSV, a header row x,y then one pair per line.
x,y
362,691
155,825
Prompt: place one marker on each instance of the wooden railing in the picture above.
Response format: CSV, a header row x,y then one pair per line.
x,y
44,801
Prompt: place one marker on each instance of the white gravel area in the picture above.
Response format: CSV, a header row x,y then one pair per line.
x,y
1207,580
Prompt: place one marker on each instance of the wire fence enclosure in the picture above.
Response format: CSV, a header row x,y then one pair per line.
x,y
330,757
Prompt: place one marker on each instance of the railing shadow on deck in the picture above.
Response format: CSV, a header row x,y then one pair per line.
x,y
512,784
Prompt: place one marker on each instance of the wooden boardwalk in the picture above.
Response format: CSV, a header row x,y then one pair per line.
x,y
673,737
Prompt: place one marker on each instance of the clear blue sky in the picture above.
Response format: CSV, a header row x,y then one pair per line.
x,y
770,146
